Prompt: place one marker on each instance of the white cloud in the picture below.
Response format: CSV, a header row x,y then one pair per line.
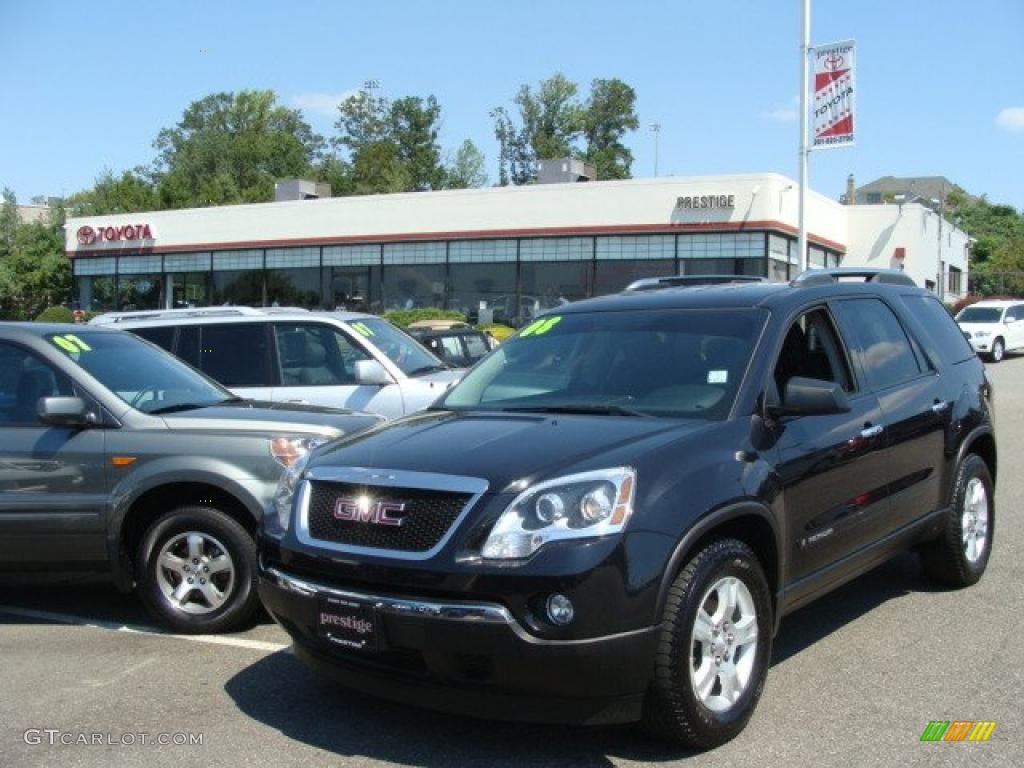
x,y
787,113
1011,119
322,103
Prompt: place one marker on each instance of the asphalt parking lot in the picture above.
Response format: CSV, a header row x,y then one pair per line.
x,y
855,679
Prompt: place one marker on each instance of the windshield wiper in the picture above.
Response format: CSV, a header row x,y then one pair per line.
x,y
429,369
599,409
180,407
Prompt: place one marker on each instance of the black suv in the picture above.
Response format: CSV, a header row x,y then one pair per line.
x,y
607,518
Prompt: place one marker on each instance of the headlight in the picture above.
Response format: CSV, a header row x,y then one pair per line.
x,y
578,506
286,488
288,450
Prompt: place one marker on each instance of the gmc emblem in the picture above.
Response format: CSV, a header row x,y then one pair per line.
x,y
363,510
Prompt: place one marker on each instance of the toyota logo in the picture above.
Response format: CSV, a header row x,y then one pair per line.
x,y
834,61
86,235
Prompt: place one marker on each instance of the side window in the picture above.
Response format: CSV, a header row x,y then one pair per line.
x,y
886,354
188,344
938,330
316,355
452,349
1015,313
812,350
162,336
24,378
476,346
236,354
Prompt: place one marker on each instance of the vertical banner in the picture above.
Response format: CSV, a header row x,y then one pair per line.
x,y
832,108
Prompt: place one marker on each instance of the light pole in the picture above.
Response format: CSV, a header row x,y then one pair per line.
x,y
805,47
656,130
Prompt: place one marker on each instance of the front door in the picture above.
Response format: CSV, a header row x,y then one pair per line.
x,y
53,493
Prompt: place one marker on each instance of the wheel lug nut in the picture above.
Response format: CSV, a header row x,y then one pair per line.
x,y
190,580
202,581
718,660
195,561
206,569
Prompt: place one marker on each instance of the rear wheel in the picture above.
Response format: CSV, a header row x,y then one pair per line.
x,y
714,649
998,351
960,555
197,570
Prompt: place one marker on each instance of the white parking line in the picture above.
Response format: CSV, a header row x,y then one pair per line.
x,y
67,618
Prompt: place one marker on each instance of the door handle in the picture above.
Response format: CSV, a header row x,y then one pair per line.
x,y
868,432
940,407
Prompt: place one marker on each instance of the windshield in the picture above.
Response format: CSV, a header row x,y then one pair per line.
x,y
141,374
682,363
401,348
980,315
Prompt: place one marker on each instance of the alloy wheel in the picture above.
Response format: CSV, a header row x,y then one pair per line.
x,y
723,644
195,573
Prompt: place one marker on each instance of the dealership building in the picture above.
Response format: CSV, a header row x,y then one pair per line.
x,y
503,253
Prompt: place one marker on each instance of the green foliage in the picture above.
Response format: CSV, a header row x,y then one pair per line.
x,y
56,314
997,254
34,272
466,169
497,330
405,317
550,121
130,192
231,148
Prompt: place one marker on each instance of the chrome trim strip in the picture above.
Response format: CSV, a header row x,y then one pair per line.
x,y
385,478
471,613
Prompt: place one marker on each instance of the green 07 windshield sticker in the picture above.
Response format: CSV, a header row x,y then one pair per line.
x,y
540,327
71,344
363,328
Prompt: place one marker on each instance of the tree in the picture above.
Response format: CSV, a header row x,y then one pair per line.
x,y
231,148
401,134
8,221
610,112
34,272
550,121
128,193
466,168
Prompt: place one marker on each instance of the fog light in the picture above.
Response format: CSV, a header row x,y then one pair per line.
x,y
560,610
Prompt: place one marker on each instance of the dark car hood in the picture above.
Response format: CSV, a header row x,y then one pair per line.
x,y
264,416
502,448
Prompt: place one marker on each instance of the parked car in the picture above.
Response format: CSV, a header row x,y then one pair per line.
x,y
994,327
606,519
458,345
115,456
338,359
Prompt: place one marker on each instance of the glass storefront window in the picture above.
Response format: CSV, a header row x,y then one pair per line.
x,y
753,267
139,292
294,287
239,287
413,286
189,289
473,284
614,276
95,293
546,285
356,289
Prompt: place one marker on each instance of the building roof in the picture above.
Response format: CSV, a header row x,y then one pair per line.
x,y
924,188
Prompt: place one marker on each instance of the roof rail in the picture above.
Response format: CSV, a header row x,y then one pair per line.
x,y
811,277
112,318
684,281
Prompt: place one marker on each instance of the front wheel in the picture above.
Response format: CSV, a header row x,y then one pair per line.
x,y
197,570
998,351
714,649
959,556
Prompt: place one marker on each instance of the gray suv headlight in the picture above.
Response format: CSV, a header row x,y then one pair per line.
x,y
579,506
286,488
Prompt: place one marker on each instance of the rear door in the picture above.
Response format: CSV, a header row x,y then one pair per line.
x,y
915,405
53,495
1014,322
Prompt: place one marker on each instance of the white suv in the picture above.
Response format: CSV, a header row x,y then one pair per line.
x,y
994,327
339,359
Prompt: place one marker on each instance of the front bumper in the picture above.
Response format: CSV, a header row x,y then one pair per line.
x,y
470,658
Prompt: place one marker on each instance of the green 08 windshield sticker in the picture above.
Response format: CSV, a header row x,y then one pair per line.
x,y
540,327
71,344
363,328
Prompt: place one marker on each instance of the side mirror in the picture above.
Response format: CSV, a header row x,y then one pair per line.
x,y
65,412
372,373
805,397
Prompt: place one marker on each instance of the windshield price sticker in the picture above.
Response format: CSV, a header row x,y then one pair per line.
x,y
540,327
71,344
363,328
718,377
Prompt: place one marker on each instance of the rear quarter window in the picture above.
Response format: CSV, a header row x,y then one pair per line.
x,y
162,337
938,329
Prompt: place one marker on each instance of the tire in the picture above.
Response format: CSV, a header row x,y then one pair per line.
x,y
674,709
189,542
998,351
950,559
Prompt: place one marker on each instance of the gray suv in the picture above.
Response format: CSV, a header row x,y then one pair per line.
x,y
116,456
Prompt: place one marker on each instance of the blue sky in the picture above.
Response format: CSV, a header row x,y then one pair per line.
x,y
86,86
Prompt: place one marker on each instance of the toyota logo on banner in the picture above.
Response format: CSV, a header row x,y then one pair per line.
x,y
86,235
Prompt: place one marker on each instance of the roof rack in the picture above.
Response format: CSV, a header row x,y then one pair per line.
x,y
686,281
111,318
834,275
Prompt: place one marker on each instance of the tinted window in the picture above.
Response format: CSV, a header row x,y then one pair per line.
x,y
883,347
476,346
236,355
811,350
941,333
403,350
24,379
980,315
162,337
315,355
672,363
188,344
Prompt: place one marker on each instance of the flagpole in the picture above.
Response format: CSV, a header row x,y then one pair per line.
x,y
805,46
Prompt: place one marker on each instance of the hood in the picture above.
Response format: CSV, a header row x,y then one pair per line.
x,y
502,447
264,416
441,380
973,328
